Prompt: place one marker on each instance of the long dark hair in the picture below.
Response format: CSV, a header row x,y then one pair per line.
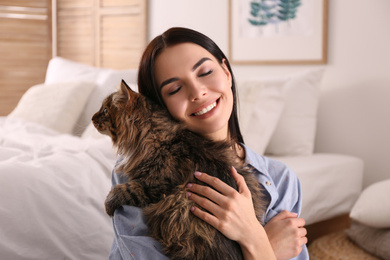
x,y
146,73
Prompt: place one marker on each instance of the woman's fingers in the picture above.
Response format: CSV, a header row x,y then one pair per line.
x,y
214,182
241,184
205,196
213,200
209,206
284,214
220,192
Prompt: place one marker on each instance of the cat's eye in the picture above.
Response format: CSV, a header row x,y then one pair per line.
x,y
105,111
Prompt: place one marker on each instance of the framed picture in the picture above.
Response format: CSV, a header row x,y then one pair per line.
x,y
278,31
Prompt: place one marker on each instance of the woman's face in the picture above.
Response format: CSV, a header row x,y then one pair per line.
x,y
196,89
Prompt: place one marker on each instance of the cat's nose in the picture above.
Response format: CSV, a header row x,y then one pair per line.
x,y
94,117
94,121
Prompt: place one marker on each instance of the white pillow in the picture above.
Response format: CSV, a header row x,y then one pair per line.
x,y
296,129
373,205
92,132
261,103
56,106
107,81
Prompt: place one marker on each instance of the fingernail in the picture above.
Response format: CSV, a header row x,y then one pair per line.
x,y
189,185
192,208
197,174
188,194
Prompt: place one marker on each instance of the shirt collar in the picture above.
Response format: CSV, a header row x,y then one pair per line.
x,y
257,161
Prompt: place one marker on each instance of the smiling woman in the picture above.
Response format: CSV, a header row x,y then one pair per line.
x,y
196,89
208,58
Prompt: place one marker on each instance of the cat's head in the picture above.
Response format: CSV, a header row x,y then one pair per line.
x,y
117,112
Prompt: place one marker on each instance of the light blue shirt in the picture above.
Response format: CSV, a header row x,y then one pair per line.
x,y
282,188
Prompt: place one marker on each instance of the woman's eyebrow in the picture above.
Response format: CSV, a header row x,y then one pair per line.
x,y
200,63
168,81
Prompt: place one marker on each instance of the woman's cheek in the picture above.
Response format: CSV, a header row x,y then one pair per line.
x,y
219,84
176,109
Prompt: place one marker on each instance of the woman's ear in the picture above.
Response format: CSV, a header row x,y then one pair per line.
x,y
226,70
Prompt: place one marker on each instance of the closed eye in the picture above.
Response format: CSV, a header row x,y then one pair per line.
x,y
206,73
174,91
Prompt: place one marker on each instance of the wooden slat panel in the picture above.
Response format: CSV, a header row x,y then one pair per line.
x,y
75,35
105,3
123,32
102,33
75,30
25,48
64,4
25,3
121,46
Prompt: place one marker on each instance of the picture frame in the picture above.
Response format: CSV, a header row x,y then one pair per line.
x,y
278,31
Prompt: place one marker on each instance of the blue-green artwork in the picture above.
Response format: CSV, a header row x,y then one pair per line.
x,y
266,12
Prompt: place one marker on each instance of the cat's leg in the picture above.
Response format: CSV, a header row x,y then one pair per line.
x,y
130,193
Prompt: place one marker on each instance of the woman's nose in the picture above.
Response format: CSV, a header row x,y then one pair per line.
x,y
197,91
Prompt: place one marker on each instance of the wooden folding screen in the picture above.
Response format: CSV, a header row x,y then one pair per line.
x,y
25,48
102,33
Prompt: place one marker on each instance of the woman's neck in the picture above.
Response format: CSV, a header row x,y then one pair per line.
x,y
240,151
224,135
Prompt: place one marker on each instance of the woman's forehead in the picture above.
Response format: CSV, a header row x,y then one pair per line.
x,y
178,58
183,53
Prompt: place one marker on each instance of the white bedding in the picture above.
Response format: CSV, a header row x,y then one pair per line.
x,y
52,192
331,183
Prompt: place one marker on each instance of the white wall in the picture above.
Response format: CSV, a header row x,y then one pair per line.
x,y
354,112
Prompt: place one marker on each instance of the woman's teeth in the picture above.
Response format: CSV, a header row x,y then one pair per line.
x,y
206,109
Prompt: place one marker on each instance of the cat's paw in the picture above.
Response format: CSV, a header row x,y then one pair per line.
x,y
112,203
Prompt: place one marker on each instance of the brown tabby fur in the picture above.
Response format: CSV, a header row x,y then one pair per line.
x,y
160,157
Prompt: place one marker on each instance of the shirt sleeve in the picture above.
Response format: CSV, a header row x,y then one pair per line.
x,y
289,195
131,240
285,188
282,188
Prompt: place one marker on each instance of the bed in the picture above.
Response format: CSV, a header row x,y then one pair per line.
x,y
55,168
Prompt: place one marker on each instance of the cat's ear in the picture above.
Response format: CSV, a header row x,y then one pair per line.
x,y
126,90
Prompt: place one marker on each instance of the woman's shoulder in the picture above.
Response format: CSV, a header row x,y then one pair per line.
x,y
267,166
260,162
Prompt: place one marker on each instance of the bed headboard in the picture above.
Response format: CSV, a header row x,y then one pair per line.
x,y
102,33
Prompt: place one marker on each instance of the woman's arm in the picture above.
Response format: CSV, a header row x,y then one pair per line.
x,y
232,214
286,234
284,228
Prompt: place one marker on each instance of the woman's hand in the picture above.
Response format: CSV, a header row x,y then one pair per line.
x,y
232,213
286,234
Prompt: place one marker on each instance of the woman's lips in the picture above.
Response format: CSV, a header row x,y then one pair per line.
x,y
206,109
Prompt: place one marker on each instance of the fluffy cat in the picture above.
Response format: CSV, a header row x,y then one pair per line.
x,y
159,158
